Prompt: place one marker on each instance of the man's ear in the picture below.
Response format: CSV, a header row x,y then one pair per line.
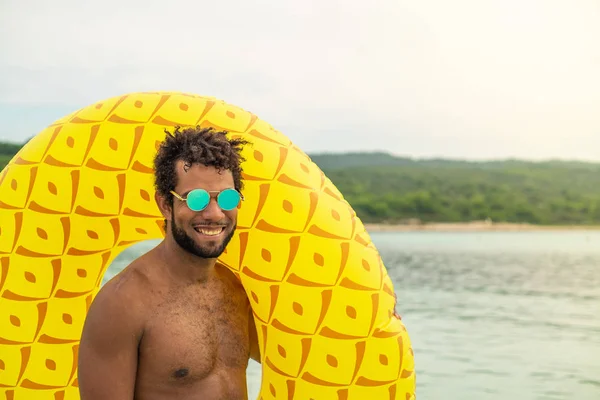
x,y
163,205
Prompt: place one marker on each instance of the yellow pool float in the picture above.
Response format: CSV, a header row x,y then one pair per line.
x,y
81,191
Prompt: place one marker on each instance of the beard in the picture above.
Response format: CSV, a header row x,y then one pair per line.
x,y
188,244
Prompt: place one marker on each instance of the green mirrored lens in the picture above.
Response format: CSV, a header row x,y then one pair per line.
x,y
228,199
198,199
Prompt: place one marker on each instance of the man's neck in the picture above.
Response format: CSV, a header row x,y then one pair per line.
x,y
184,267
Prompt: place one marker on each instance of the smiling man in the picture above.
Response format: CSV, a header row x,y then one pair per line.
x,y
175,323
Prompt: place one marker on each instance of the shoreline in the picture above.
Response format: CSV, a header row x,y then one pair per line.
x,y
476,226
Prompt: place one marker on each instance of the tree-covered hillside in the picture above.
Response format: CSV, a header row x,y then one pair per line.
x,y
381,188
7,151
384,188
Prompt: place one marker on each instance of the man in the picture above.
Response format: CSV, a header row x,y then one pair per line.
x,y
175,324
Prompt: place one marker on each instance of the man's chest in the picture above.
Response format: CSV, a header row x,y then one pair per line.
x,y
189,337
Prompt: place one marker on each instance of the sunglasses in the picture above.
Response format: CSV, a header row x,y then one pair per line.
x,y
198,199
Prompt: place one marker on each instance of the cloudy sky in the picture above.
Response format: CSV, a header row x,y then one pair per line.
x,y
476,79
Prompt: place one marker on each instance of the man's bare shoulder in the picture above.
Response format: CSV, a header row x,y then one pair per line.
x,y
228,276
127,284
124,298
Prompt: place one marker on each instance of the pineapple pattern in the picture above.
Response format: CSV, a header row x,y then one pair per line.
x,y
81,191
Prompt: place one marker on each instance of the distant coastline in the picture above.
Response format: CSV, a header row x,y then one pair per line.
x,y
474,226
405,194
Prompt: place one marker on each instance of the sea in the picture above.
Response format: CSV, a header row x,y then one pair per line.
x,y
491,315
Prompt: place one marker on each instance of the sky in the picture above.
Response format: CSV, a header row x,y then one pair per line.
x,y
470,79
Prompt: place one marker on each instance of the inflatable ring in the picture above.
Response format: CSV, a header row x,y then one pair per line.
x,y
81,191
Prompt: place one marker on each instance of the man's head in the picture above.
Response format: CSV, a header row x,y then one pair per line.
x,y
199,158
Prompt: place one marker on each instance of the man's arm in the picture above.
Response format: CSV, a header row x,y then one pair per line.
x,y
108,350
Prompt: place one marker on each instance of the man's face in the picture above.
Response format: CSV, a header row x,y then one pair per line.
x,y
203,233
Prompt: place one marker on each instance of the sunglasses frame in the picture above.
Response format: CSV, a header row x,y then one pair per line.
x,y
210,192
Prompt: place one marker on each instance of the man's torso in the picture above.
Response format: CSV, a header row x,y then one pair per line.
x,y
195,341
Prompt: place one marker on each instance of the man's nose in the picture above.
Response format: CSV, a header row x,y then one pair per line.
x,y
213,212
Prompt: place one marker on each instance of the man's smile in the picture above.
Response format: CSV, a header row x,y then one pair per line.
x,y
212,230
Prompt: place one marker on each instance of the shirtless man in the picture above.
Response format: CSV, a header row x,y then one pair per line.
x,y
175,324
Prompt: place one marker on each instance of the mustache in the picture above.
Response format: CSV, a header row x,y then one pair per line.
x,y
211,223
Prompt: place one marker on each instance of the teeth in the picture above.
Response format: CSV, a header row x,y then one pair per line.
x,y
208,231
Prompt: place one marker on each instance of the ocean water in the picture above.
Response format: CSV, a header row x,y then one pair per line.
x,y
491,315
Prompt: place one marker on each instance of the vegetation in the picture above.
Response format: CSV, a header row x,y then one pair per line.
x,y
384,188
7,151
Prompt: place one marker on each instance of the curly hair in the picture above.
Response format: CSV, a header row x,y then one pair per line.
x,y
196,145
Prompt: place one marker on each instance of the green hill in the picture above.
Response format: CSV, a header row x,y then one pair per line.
x,y
7,151
385,188
390,189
